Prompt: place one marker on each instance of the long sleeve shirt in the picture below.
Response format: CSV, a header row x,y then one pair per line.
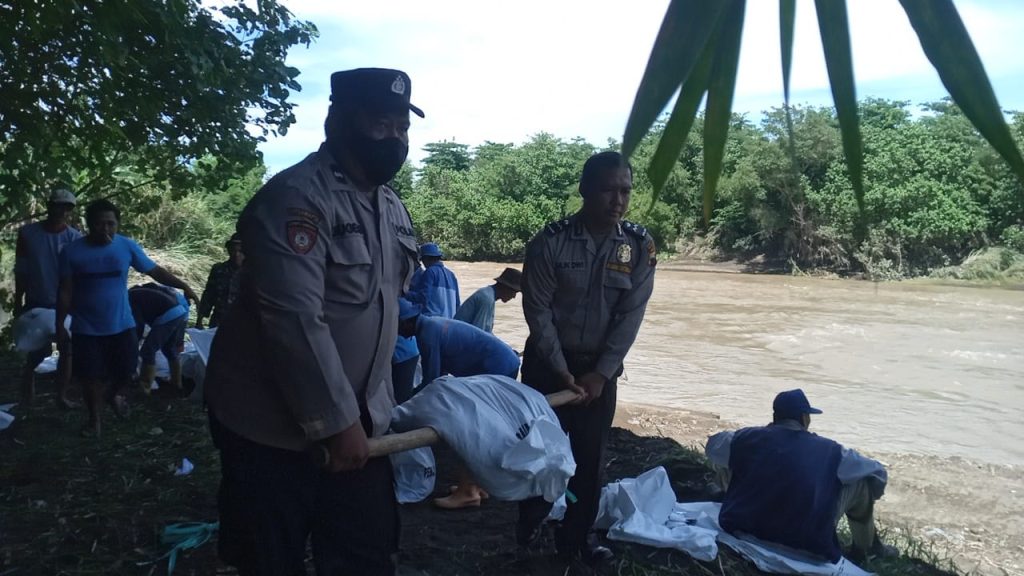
x,y
478,309
437,291
460,349
307,347
583,297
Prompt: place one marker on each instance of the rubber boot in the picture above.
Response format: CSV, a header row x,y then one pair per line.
x,y
146,376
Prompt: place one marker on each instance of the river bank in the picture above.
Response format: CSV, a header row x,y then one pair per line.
x,y
970,513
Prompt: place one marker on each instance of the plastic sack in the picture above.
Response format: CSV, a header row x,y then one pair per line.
x,y
504,431
36,329
415,474
767,556
194,358
638,510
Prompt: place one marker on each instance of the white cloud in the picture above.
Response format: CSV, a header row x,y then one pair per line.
x,y
501,72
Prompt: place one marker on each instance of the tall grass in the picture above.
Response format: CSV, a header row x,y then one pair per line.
x,y
996,264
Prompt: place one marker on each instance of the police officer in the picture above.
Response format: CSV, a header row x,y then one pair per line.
x,y
304,354
586,283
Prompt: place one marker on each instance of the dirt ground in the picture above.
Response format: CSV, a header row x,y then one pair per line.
x,y
70,505
970,513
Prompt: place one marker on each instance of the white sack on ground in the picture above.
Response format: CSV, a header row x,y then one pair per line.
x,y
415,474
638,510
643,510
36,328
503,430
193,360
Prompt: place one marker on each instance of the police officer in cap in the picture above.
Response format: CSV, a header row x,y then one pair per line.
x,y
586,282
304,356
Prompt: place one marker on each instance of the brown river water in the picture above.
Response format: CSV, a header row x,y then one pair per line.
x,y
904,367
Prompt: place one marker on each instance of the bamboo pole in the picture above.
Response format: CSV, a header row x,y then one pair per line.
x,y
384,445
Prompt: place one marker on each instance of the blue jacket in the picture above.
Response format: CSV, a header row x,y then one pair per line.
x,y
437,291
460,349
405,348
784,488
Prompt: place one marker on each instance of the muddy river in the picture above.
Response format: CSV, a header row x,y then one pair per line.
x,y
907,367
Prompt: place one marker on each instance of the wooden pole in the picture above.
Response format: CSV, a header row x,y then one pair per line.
x,y
420,437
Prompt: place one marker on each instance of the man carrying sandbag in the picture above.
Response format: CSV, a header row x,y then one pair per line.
x,y
586,283
36,276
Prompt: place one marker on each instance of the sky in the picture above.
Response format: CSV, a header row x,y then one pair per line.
x,y
505,71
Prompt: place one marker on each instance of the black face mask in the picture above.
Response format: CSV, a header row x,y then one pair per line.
x,y
379,159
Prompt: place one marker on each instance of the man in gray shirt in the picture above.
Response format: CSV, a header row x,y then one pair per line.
x,y
304,355
586,283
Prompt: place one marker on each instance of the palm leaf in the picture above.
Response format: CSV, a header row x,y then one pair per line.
x,y
685,30
835,39
949,48
719,108
787,19
677,130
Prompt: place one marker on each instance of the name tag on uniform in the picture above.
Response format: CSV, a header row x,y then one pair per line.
x,y
571,265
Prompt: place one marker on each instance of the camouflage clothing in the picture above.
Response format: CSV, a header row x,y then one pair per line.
x,y
220,291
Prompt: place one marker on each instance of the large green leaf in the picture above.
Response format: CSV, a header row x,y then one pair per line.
x,y
721,87
949,48
787,19
678,128
835,39
685,30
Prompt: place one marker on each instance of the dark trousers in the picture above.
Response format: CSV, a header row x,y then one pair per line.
x,y
402,376
587,427
272,500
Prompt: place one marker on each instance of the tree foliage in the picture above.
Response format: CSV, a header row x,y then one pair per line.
x,y
116,94
934,191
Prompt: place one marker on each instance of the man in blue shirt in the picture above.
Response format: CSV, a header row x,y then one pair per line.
x,y
94,289
437,290
790,486
478,309
165,311
36,264
453,347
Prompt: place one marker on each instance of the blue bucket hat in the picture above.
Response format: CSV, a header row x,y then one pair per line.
x,y
407,309
792,404
431,250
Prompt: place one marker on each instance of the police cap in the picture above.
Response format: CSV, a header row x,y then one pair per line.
x,y
374,90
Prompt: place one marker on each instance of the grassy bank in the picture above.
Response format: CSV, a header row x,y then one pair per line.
x,y
80,506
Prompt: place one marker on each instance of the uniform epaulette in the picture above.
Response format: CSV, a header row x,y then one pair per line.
x,y
634,229
555,227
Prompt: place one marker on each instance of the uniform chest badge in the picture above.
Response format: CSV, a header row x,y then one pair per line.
x,y
301,236
398,86
624,253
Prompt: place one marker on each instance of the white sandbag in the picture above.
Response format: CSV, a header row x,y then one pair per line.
x,y
503,430
193,361
5,417
48,365
638,510
415,474
36,328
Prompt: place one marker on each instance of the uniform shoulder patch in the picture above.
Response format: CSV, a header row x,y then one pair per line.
x,y
302,236
555,227
634,229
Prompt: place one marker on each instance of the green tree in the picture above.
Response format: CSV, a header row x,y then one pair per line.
x,y
447,155
116,94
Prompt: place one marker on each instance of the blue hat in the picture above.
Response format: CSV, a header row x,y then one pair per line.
x,y
407,309
431,250
792,404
